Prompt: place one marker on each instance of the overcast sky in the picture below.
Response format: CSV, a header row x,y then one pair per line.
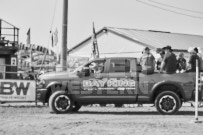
x,y
179,16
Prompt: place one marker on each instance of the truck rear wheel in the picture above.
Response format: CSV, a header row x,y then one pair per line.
x,y
60,102
167,102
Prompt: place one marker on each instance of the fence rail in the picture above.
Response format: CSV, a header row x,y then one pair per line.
x,y
26,72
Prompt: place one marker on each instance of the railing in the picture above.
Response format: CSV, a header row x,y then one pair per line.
x,y
11,72
27,72
9,34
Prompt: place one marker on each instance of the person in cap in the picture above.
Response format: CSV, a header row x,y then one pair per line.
x,y
168,65
97,67
160,59
100,68
147,61
192,59
181,65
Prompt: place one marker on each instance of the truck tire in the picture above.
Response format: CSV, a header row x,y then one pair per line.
x,y
60,102
167,102
76,107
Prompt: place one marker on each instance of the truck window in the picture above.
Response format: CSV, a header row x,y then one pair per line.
x,y
96,66
119,66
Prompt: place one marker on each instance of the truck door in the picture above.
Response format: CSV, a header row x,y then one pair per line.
x,y
122,81
92,83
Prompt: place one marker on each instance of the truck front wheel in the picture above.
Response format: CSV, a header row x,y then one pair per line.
x,y
167,103
60,102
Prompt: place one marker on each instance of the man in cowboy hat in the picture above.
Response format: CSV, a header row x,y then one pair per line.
x,y
169,62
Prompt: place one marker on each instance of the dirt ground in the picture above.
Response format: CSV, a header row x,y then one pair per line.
x,y
24,119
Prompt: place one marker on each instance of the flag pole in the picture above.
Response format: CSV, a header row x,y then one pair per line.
x,y
30,46
95,49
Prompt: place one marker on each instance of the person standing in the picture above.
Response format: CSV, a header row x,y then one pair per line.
x,y
181,65
147,61
169,62
160,59
192,60
197,51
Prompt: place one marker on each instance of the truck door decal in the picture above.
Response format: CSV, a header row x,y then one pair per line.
x,y
109,84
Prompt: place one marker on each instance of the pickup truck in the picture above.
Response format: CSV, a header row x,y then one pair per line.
x,y
115,81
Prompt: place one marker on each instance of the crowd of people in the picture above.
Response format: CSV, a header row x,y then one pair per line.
x,y
168,62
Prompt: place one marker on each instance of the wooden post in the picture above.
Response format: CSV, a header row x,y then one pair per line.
x,y
63,59
0,28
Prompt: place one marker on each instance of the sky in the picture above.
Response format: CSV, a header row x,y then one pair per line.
x,y
43,16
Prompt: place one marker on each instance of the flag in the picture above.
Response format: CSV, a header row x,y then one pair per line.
x,y
28,37
95,50
55,47
54,38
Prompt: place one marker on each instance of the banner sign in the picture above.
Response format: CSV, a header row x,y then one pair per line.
x,y
41,57
17,90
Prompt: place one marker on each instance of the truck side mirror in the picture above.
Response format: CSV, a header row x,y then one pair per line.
x,y
84,72
80,73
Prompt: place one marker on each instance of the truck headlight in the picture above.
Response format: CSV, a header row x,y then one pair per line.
x,y
40,83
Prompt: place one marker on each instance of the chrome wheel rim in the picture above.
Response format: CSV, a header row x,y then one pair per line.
x,y
167,104
62,103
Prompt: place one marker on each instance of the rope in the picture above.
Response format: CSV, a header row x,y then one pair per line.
x,y
197,17
53,18
175,7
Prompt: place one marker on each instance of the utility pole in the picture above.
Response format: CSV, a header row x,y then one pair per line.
x,y
0,28
63,59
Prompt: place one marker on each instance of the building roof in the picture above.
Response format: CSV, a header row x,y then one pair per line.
x,y
150,38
